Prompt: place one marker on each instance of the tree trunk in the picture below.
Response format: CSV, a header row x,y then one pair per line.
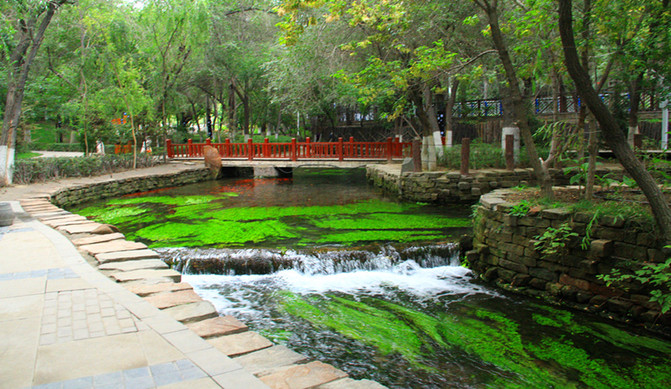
x,y
449,109
634,101
519,108
21,59
593,149
611,131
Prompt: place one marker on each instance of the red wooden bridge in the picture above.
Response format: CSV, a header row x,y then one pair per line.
x,y
294,150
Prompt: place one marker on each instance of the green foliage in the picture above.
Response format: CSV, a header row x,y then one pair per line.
x,y
27,171
520,209
554,241
657,276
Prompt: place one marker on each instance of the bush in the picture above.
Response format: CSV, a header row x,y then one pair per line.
x,y
27,171
54,146
484,156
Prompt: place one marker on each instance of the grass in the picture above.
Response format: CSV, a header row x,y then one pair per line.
x,y
27,155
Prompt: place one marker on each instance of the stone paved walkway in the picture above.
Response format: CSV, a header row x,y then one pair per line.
x,y
79,309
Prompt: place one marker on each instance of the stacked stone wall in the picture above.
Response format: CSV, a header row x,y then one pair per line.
x,y
453,188
89,192
506,252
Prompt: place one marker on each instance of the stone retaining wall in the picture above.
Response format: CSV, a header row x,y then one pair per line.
x,y
452,187
83,193
506,253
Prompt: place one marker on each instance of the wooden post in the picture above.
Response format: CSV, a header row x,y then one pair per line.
x,y
308,152
340,147
510,152
389,149
417,155
266,148
250,149
465,155
168,149
294,154
227,148
189,148
352,149
208,142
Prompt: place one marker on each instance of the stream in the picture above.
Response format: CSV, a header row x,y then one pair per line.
x,y
338,271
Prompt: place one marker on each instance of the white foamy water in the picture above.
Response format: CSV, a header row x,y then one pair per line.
x,y
244,294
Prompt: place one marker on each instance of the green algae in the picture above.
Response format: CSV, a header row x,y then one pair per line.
x,y
164,221
358,321
385,221
214,232
351,237
488,335
171,200
113,215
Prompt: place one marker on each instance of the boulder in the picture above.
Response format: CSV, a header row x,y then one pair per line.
x,y
212,159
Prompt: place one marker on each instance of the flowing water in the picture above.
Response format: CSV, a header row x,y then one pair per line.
x,y
341,273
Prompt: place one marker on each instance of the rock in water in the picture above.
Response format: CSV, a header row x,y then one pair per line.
x,y
212,159
105,229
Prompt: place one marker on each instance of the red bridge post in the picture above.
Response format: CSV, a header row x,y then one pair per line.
x,y
389,149
250,149
294,154
227,148
308,153
340,149
266,148
168,148
189,148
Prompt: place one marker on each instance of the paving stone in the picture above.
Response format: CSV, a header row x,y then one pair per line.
x,y
348,383
192,312
79,228
218,326
112,246
125,276
62,223
97,239
171,299
303,376
239,344
146,290
134,265
267,361
119,256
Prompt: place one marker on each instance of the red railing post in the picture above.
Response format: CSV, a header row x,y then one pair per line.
x,y
250,149
168,148
389,149
189,148
352,148
227,148
308,152
266,148
294,155
340,149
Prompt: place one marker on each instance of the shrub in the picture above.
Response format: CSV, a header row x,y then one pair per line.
x,y
27,171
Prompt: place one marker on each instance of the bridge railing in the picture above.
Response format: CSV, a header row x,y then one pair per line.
x,y
294,150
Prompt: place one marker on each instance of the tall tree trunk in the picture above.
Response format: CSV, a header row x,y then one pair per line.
x,y
21,58
634,102
612,132
449,109
519,108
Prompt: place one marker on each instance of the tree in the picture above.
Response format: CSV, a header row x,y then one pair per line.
x,y
613,134
519,102
30,21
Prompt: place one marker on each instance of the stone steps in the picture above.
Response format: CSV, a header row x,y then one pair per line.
x,y
141,271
